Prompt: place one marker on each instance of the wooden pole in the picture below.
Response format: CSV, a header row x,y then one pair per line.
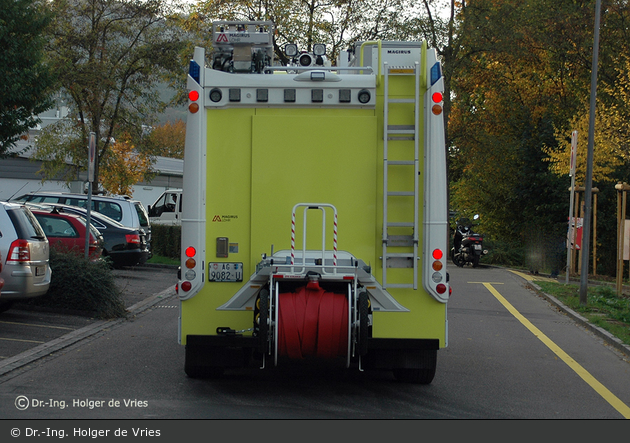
x,y
622,201
594,231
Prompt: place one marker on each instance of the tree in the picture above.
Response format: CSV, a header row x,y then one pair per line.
x,y
124,167
166,140
513,91
305,22
25,89
110,56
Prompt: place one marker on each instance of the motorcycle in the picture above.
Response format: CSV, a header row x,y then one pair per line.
x,y
467,245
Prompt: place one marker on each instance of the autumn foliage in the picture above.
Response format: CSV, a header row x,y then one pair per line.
x,y
123,167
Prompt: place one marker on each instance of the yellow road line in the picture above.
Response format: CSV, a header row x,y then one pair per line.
x,y
530,277
34,325
620,406
18,339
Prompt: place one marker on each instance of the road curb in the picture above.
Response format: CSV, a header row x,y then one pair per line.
x,y
48,348
602,333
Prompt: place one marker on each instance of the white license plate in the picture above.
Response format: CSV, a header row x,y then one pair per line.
x,y
225,272
477,247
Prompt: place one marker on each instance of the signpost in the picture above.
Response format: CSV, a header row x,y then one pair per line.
x,y
91,166
571,241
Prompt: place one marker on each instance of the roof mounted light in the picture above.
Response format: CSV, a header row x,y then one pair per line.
x,y
319,49
290,49
305,59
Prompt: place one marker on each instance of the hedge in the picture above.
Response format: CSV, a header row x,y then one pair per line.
x,y
166,240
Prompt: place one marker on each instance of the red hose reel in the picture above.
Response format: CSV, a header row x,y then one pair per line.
x,y
312,322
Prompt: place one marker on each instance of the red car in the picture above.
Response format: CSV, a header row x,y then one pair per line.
x,y
66,232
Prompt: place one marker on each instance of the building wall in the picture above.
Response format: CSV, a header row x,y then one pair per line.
x,y
19,175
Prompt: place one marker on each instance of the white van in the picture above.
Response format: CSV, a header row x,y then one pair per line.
x,y
167,209
121,208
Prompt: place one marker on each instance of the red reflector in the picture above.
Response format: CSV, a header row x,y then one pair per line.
x,y
437,97
186,286
193,95
438,254
190,251
441,288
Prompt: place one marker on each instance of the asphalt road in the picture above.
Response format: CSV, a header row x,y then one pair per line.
x,y
511,355
30,331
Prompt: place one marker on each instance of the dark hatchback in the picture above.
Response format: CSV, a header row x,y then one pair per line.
x,y
123,245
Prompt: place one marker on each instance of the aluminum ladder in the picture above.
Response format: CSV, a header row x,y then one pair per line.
x,y
393,133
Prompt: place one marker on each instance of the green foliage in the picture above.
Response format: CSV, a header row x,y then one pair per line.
x,y
79,284
165,240
517,97
26,80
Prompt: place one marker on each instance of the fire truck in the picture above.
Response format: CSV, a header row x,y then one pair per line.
x,y
315,221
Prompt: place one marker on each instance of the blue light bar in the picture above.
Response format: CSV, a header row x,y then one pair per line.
x,y
194,70
436,73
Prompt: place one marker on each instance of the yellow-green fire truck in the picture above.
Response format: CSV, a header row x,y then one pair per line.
x,y
314,223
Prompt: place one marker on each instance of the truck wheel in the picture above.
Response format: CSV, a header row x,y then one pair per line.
x,y
364,312
423,375
203,371
263,321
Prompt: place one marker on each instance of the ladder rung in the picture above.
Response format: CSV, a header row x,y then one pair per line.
x,y
400,255
401,162
400,225
401,129
401,194
401,100
400,138
401,70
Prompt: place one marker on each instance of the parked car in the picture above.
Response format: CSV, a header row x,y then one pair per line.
x,y
25,253
123,209
124,246
67,232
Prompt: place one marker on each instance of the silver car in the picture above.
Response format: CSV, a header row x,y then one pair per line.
x,y
24,250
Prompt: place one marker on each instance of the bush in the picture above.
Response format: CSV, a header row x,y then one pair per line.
x,y
79,284
166,240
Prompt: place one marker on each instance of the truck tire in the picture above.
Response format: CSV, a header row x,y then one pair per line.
x,y
195,370
423,375
364,312
203,372
263,324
